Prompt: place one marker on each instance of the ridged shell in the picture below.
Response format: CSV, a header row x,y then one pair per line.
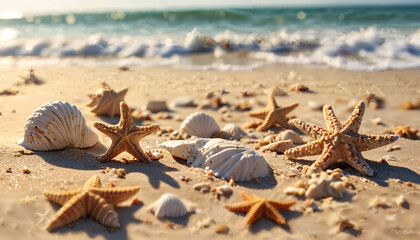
x,y
289,134
200,124
231,132
168,205
279,146
106,101
225,158
55,126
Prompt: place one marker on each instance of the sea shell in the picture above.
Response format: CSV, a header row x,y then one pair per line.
x,y
279,146
315,106
274,91
169,205
156,106
290,135
105,101
324,185
57,125
231,132
185,101
200,124
224,158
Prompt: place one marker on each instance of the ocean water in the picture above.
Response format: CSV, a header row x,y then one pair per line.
x,y
351,38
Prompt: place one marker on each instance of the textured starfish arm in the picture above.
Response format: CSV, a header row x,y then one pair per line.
x,y
281,206
125,113
309,129
259,114
142,131
331,119
273,214
352,125
271,119
271,103
241,207
327,158
367,142
309,149
112,152
135,150
356,160
107,129
102,211
255,213
60,197
70,212
248,197
115,195
287,109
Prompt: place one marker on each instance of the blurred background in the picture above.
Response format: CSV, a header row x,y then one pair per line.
x,y
226,35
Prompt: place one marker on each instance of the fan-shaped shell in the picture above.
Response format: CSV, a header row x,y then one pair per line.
x,y
200,124
289,134
57,125
224,158
168,205
232,132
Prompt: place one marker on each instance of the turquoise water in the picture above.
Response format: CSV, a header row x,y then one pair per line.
x,y
352,38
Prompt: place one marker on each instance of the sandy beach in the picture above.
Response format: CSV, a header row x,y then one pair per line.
x,y
24,211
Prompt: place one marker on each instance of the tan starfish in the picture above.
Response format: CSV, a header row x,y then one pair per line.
x,y
106,101
338,142
93,201
273,114
125,136
257,207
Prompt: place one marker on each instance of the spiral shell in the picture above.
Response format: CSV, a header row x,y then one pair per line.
x,y
57,125
200,124
224,158
290,135
169,205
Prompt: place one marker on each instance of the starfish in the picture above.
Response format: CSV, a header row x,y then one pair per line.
x,y
125,136
273,114
339,141
92,200
106,101
257,207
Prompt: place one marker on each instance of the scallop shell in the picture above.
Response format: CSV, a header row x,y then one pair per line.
x,y
200,124
169,205
224,158
232,132
290,135
106,101
279,146
55,126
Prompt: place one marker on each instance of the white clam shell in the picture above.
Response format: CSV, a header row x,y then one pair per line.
x,y
233,132
200,124
168,205
57,125
224,158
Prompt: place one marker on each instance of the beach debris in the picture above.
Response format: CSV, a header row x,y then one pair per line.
x,y
401,201
168,205
273,114
340,224
221,228
105,101
297,87
225,190
203,223
26,170
315,106
224,158
125,136
231,132
290,135
298,191
387,158
202,187
163,116
55,126
251,125
200,124
197,41
411,104
185,178
373,101
279,146
377,202
323,185
143,115
31,78
338,141
184,101
377,121
309,206
156,106
274,91
243,106
406,132
231,181
9,170
28,200
247,94
154,155
120,172
392,148
8,92
92,200
257,207
123,68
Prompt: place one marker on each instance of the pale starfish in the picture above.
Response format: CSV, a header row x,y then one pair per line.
x,y
273,114
338,142
106,101
257,207
125,136
93,201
